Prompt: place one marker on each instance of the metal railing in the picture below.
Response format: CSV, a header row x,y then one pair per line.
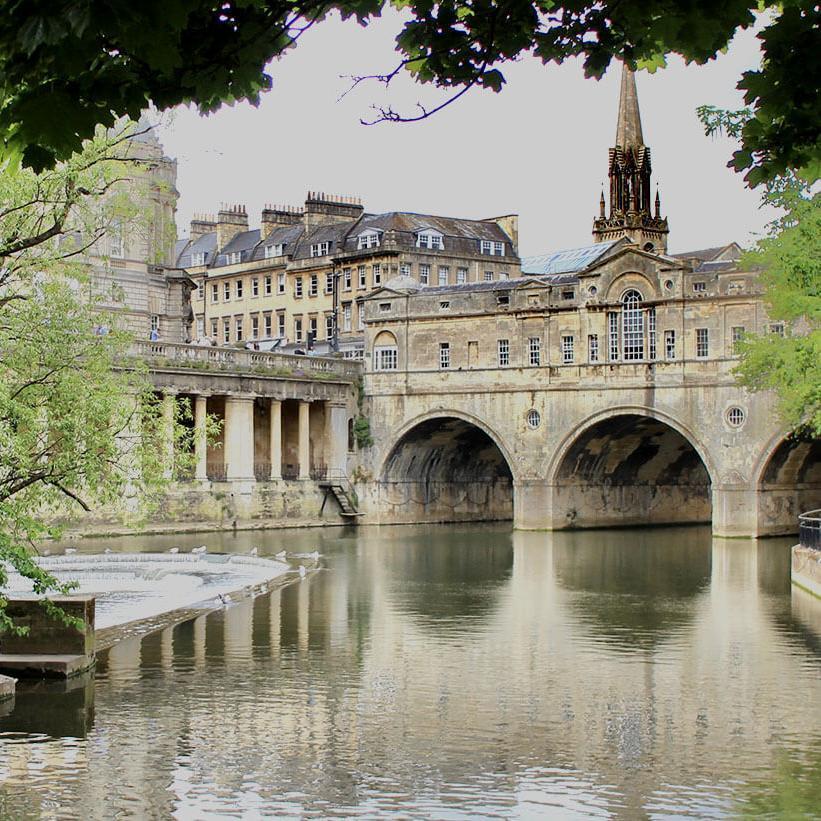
x,y
809,529
200,357
262,471
319,471
216,471
290,471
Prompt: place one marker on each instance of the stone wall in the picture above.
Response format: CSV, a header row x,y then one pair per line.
x,y
47,635
806,569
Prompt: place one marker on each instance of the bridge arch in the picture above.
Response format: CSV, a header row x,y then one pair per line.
x,y
446,465
788,481
627,466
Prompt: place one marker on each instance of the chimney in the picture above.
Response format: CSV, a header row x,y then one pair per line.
x,y
322,209
510,225
277,216
231,219
202,224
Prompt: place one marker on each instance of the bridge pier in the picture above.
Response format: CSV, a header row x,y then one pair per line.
x,y
735,511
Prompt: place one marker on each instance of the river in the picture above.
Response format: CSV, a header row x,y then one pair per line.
x,y
448,672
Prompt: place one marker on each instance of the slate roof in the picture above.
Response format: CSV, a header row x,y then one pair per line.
x,y
569,260
287,235
207,244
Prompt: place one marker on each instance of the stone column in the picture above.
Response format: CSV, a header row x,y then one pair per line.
x,y
239,438
275,438
735,510
200,443
336,438
304,439
168,408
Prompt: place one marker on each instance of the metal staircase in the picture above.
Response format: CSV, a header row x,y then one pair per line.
x,y
340,489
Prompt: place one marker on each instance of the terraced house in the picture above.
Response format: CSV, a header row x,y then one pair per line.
x,y
299,279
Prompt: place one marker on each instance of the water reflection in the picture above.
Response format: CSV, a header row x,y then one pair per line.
x,y
467,672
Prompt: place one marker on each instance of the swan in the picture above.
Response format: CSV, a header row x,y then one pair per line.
x,y
70,550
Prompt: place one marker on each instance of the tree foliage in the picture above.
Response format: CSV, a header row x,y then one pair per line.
x,y
76,428
67,65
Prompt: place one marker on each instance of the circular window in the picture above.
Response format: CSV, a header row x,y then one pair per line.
x,y
534,419
735,417
592,290
669,285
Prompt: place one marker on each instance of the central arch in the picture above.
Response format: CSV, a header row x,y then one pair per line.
x,y
630,468
446,468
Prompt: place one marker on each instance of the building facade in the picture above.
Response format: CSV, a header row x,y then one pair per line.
x,y
301,278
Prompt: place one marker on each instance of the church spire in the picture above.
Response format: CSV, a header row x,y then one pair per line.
x,y
630,213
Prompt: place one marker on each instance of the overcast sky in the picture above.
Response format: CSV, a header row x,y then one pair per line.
x,y
538,149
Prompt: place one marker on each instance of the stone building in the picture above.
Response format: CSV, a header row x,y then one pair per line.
x,y
597,389
305,272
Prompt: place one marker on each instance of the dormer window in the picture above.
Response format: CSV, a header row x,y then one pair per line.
x,y
198,258
495,249
320,249
276,250
233,258
430,239
367,239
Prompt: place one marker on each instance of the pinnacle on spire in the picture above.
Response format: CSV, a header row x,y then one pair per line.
x,y
628,127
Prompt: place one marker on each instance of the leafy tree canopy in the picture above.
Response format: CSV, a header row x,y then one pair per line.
x,y
66,65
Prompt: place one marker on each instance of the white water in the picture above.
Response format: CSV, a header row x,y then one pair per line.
x,y
133,586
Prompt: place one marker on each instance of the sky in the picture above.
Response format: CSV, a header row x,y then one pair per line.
x,y
537,149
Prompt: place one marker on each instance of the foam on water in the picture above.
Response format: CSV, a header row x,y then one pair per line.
x,y
132,586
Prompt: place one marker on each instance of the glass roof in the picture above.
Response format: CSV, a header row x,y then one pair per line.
x,y
566,261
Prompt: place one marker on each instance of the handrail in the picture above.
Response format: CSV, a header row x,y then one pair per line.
x,y
809,529
241,359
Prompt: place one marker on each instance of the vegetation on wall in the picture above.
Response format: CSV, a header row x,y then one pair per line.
x,y
68,65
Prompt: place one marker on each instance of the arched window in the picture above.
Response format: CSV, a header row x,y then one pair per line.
x,y
351,438
385,352
632,326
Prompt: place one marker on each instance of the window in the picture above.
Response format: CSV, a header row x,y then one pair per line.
x,y
215,292
329,326
198,258
312,328
281,326
669,344
504,275
116,246
200,327
503,300
255,286
444,274
281,283
461,276
276,250
699,287
738,335
298,329
238,328
444,355
254,327
385,307
267,284
360,316
777,328
269,325
367,239
346,316
535,350
233,258
320,249
200,290
632,326
346,279
238,286
444,306
488,276
430,239
362,277
214,329
593,348
735,417
651,332
313,289
226,291
568,293
493,248
613,336
702,342
377,274
226,330
567,350
298,287
424,274
534,419
503,348
329,282
385,358
155,322
404,269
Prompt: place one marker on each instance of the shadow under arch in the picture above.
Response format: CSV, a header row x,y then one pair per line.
x,y
788,483
630,466
446,467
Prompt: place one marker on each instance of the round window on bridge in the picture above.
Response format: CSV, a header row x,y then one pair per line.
x,y
534,419
735,417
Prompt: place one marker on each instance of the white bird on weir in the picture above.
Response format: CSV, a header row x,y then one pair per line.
x,y
70,550
107,550
174,550
281,555
302,571
253,552
315,555
201,549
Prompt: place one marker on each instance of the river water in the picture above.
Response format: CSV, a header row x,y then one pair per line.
x,y
448,672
